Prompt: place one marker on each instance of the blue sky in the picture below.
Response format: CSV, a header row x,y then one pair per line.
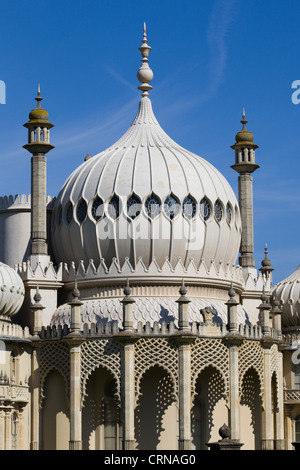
x,y
209,58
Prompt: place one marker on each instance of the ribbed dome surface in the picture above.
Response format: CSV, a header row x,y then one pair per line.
x,y
11,292
146,196
287,292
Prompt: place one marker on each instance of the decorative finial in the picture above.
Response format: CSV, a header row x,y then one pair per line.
x,y
127,289
37,296
244,120
39,98
183,290
75,292
145,74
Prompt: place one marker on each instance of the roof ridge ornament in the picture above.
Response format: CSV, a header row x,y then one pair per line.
x,y
145,74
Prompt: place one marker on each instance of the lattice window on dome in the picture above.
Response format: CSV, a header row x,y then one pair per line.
x,y
205,209
134,206
69,213
152,206
97,209
189,207
81,211
171,207
229,213
113,207
218,209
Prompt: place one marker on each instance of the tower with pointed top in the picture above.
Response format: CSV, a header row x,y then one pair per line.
x,y
245,165
38,145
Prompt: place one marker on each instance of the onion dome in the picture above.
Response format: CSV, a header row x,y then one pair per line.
x,y
287,292
11,292
146,197
38,114
245,137
266,267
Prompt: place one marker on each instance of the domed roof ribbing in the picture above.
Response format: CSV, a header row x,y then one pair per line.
x,y
287,292
146,197
11,292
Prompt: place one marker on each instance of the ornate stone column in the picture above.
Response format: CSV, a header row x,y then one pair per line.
x,y
279,438
75,340
184,338
267,434
233,340
128,337
35,399
2,427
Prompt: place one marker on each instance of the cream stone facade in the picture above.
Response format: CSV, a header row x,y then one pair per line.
x,y
125,322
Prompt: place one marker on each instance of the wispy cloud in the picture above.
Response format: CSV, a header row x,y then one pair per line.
x,y
217,31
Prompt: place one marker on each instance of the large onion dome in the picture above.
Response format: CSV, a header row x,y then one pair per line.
x,y
11,292
146,197
287,292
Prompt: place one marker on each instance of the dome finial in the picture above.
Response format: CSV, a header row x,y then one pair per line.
x,y
145,74
39,98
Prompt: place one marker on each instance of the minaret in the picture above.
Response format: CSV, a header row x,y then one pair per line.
x,y
245,165
38,145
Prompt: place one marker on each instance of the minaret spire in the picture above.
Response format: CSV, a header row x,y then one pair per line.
x,y
245,165
38,145
145,74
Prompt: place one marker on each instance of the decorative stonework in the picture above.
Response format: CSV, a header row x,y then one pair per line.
x,y
155,352
100,353
209,352
251,356
54,355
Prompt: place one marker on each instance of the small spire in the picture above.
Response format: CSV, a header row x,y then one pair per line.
x,y
39,98
244,120
145,74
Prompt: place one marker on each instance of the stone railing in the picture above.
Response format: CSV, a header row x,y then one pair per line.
x,y
163,329
292,396
14,393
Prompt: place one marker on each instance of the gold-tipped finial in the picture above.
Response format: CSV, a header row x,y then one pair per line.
x,y
145,74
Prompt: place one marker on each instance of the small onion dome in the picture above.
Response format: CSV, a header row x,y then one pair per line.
x,y
11,292
287,292
245,137
38,114
266,264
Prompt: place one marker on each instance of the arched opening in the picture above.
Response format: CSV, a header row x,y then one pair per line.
x,y
55,413
101,421
209,411
250,411
156,417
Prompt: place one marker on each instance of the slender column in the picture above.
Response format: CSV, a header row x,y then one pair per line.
x,y
233,341
267,441
38,205
7,434
76,340
184,358
2,428
21,430
279,438
289,431
128,396
75,398
184,338
35,414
